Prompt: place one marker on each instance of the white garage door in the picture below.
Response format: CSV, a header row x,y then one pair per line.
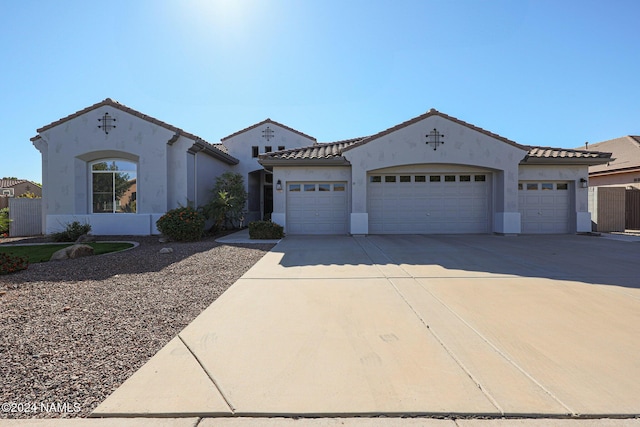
x,y
544,207
429,204
317,208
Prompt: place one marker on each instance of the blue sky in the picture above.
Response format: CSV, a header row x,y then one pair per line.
x,y
554,73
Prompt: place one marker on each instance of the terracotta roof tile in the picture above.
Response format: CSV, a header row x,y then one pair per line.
x,y
327,150
566,153
7,183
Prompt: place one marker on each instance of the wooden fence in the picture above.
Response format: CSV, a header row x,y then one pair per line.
x,y
632,210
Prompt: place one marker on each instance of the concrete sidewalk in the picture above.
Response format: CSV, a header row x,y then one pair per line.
x,y
409,325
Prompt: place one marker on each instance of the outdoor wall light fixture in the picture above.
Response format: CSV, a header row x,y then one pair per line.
x,y
279,185
583,183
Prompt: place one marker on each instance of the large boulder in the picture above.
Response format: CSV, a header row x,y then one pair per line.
x,y
72,252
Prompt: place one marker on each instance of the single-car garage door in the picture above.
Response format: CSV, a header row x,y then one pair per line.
x,y
544,207
440,203
317,208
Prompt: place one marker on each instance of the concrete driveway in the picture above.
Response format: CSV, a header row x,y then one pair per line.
x,y
425,325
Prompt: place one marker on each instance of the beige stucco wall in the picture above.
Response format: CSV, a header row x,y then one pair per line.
x,y
462,146
619,179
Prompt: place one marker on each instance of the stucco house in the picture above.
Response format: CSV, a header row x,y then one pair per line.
x,y
623,169
16,188
431,174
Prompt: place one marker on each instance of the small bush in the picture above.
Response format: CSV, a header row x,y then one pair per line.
x,y
10,263
265,230
4,222
182,224
71,232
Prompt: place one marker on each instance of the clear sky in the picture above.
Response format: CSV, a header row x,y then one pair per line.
x,y
540,72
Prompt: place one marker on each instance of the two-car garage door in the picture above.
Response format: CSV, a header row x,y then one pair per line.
x,y
436,203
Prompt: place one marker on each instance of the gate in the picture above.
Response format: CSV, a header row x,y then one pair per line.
x,y
26,217
632,210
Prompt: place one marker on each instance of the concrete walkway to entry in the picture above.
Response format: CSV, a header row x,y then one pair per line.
x,y
528,326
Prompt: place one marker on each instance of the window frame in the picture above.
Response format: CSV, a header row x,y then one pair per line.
x,y
114,201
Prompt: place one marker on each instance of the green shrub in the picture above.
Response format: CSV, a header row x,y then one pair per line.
x,y
71,232
228,203
4,222
11,263
265,230
182,224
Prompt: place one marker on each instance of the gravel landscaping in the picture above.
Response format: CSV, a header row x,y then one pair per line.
x,y
72,331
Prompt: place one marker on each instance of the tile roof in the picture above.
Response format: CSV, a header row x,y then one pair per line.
x,y
327,150
6,183
214,148
264,122
556,155
626,154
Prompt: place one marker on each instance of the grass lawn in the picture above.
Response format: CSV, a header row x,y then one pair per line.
x,y
42,253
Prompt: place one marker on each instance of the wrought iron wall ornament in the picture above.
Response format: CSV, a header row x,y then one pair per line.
x,y
434,138
107,123
268,133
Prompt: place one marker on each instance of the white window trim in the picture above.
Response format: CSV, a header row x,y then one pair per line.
x,y
91,172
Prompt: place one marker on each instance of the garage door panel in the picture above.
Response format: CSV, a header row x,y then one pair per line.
x,y
544,211
322,209
430,207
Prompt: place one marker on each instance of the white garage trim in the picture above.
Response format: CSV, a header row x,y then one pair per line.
x,y
544,206
429,203
317,207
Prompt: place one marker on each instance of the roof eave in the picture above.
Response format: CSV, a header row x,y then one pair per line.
x,y
563,161
205,148
337,161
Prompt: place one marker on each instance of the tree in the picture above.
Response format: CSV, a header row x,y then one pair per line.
x,y
227,206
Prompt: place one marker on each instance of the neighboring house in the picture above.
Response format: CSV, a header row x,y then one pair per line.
x,y
623,170
432,174
16,188
617,208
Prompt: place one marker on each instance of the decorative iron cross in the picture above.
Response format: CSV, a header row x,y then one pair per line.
x,y
107,123
435,138
268,133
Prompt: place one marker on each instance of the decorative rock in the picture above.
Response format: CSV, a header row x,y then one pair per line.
x,y
163,240
166,250
86,238
72,252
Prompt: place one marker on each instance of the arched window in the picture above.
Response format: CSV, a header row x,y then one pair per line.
x,y
113,186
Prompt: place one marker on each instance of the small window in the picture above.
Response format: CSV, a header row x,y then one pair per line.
x,y
376,178
547,186
309,187
267,148
562,186
324,187
338,187
520,187
532,186
254,151
390,178
449,178
465,178
480,178
405,178
280,147
420,178
294,187
434,178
